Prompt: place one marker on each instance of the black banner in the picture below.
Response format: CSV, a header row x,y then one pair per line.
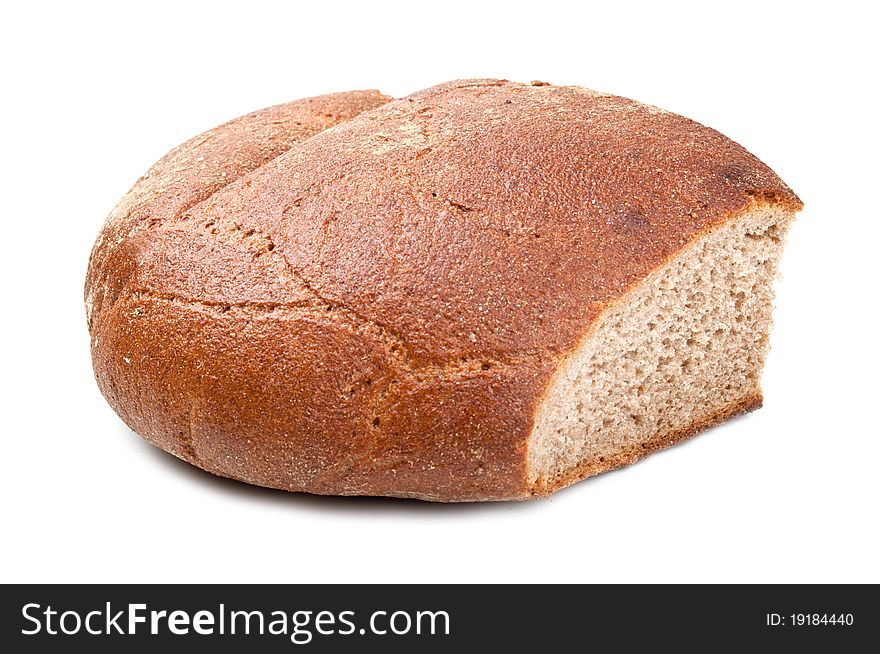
x,y
429,618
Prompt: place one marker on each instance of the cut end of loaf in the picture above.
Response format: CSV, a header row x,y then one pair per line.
x,y
680,353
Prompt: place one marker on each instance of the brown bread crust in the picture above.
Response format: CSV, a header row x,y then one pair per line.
x,y
378,307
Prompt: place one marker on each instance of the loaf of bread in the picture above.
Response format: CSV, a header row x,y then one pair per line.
x,y
483,291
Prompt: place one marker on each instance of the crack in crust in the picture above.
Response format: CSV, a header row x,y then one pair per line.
x,y
317,310
187,442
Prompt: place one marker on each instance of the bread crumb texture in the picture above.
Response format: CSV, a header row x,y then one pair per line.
x,y
483,291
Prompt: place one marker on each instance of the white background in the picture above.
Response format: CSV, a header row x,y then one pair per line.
x,y
92,95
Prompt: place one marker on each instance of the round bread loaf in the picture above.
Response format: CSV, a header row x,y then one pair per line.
x,y
485,290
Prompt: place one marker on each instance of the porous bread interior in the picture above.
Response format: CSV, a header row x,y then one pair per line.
x,y
682,348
